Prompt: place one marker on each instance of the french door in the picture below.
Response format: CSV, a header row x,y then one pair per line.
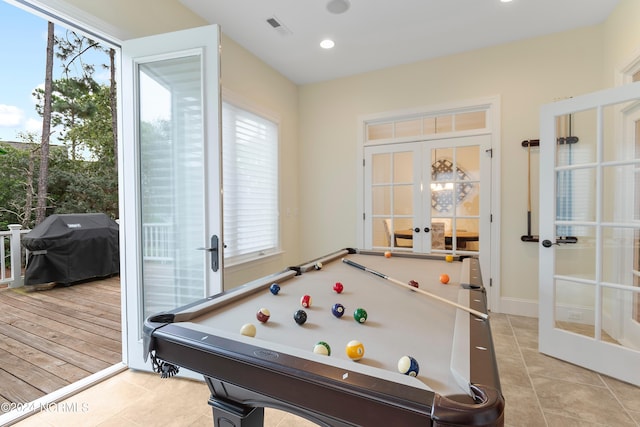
x,y
426,196
171,209
590,232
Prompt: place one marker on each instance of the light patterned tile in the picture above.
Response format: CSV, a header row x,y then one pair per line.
x,y
580,401
627,394
542,365
521,407
500,324
273,417
523,322
556,420
175,402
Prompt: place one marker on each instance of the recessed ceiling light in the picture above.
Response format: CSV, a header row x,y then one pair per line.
x,y
338,6
506,1
327,44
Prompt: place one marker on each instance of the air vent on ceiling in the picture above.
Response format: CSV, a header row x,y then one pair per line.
x,y
277,25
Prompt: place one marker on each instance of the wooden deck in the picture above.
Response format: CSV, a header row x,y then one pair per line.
x,y
52,338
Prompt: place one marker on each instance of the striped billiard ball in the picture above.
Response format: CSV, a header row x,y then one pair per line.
x,y
408,365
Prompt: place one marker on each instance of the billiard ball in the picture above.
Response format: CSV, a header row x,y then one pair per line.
x,y
360,315
355,350
444,278
449,258
300,317
387,254
337,310
409,366
318,265
305,301
413,283
323,348
248,329
338,287
274,288
263,315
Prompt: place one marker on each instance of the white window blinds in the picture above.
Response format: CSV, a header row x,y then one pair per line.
x,y
250,182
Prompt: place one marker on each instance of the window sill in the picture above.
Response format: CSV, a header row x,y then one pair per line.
x,y
239,263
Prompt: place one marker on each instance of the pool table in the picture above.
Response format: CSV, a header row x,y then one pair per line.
x,y
457,383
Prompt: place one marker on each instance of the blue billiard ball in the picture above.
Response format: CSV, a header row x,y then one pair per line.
x,y
274,288
409,366
337,310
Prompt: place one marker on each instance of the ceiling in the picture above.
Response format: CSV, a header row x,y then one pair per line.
x,y
375,34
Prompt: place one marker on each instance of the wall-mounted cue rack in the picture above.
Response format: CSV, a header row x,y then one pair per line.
x,y
536,143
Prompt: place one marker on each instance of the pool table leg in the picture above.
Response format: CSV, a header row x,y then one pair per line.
x,y
226,414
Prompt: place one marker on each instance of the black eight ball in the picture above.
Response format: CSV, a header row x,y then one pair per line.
x,y
300,317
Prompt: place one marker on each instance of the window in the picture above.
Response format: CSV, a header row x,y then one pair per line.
x,y
250,182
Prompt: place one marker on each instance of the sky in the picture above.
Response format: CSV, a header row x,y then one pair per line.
x,y
23,42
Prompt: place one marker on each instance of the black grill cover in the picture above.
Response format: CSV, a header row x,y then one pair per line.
x,y
71,248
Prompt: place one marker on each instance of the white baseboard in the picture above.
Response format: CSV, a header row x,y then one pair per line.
x,y
518,307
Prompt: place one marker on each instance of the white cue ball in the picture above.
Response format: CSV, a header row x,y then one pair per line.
x,y
248,329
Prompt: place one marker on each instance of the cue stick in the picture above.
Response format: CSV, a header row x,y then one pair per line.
x,y
429,294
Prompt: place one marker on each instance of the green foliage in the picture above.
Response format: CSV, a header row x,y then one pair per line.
x,y
13,167
81,110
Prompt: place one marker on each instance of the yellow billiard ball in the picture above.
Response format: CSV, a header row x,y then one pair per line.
x,y
355,350
449,258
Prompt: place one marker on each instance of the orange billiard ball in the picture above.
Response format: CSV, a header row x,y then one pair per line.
x,y
387,254
444,278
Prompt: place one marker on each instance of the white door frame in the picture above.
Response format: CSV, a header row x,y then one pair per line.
x,y
492,107
594,354
153,49
63,14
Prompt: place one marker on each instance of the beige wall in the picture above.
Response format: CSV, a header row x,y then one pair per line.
x,y
249,78
319,121
621,40
525,75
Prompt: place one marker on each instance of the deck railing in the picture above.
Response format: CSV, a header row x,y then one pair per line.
x,y
11,259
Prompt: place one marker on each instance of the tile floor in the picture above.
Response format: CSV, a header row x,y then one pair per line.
x,y
539,391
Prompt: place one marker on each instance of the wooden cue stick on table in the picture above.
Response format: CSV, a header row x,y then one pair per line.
x,y
429,294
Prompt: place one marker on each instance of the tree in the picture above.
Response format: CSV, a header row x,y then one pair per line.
x,y
17,171
46,129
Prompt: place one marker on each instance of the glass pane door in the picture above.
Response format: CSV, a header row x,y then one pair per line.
x,y
171,152
392,197
590,225
172,166
454,197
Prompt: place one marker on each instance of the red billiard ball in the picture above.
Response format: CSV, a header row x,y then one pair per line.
x,y
263,315
305,301
338,287
444,278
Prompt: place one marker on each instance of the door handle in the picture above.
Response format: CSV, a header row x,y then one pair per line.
x,y
560,240
213,248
